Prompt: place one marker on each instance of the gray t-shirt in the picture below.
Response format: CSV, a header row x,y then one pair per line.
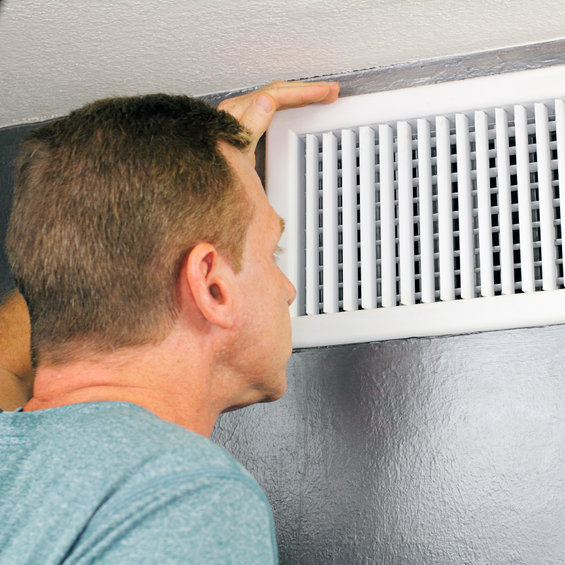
x,y
109,482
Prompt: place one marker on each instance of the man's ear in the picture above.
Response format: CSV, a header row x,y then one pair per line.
x,y
211,280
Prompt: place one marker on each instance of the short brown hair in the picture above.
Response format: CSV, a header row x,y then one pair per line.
x,y
107,203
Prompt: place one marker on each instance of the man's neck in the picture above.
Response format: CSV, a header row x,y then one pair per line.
x,y
154,377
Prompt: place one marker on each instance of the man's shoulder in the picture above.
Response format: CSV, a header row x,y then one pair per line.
x,y
127,430
85,453
133,483
116,438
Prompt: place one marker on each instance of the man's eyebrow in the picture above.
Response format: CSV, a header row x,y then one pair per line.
x,y
282,225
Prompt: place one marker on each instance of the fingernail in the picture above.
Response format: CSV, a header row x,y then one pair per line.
x,y
265,103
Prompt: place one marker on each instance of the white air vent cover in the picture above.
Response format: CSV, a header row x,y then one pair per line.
x,y
425,211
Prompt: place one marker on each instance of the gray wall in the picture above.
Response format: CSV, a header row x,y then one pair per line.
x,y
436,451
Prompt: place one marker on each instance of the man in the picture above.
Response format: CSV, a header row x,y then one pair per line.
x,y
144,246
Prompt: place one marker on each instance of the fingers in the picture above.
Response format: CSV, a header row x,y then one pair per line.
x,y
284,95
298,94
256,109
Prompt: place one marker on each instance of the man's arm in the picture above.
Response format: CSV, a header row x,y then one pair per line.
x,y
16,375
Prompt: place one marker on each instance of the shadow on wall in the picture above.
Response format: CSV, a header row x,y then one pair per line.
x,y
9,140
445,450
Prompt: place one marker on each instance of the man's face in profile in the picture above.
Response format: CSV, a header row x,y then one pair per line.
x,y
265,292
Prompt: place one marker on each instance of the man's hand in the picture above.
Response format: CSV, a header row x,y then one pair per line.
x,y
256,109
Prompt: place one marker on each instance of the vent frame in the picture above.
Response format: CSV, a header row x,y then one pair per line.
x,y
466,312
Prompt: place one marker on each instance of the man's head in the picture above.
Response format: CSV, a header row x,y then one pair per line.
x,y
108,201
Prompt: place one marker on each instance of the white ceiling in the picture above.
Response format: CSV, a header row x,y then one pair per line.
x,y
58,54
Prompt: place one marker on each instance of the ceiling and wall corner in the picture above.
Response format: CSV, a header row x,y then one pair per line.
x,y
57,55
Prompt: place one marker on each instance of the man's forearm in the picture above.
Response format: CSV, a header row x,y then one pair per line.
x,y
16,374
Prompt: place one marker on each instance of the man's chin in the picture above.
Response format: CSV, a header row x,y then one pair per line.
x,y
277,390
270,394
272,397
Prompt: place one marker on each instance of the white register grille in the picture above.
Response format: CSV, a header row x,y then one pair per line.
x,y
394,217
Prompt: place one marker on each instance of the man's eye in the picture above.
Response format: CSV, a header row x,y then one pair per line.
x,y
278,251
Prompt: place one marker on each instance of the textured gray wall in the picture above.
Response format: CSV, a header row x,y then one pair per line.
x,y
435,451
426,451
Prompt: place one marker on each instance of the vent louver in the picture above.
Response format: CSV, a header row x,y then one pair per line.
x,y
425,211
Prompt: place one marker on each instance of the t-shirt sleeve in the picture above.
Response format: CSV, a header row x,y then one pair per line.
x,y
206,521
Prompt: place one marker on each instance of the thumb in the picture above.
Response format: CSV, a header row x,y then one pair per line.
x,y
258,116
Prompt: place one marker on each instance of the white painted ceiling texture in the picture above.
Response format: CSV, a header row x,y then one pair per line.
x,y
56,55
